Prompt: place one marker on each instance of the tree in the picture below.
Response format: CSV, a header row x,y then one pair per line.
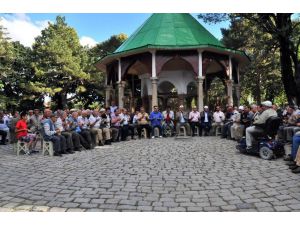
x,y
261,79
284,32
96,84
58,63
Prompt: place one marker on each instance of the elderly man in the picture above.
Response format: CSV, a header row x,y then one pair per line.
x,y
3,130
95,121
182,118
84,125
143,122
286,132
206,120
53,135
194,118
105,126
156,120
73,125
259,123
168,115
219,118
61,124
237,127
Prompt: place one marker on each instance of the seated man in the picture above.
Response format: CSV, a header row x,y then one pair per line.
x,y
194,118
124,122
182,119
286,131
50,134
60,124
3,129
156,119
238,127
259,123
94,121
228,122
295,154
143,122
168,120
218,118
84,125
206,120
115,124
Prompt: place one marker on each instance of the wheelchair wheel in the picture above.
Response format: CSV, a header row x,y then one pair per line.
x,y
168,131
266,153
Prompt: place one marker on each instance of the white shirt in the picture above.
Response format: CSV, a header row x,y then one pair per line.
x,y
59,124
83,121
125,119
93,119
182,120
219,117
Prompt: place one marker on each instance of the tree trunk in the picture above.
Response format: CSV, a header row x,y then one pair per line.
x,y
287,72
61,99
284,24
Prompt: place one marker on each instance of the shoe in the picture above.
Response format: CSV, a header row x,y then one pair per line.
x,y
64,152
2,143
160,136
291,163
27,153
133,138
288,158
57,154
297,170
152,137
101,144
77,149
71,152
292,167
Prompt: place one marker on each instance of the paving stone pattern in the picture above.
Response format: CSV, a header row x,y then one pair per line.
x,y
196,174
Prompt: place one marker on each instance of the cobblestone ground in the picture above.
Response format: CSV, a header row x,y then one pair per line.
x,y
198,174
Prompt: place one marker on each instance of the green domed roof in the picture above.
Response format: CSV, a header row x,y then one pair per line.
x,y
169,29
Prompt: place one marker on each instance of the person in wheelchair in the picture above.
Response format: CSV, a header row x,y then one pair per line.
x,y
168,122
259,123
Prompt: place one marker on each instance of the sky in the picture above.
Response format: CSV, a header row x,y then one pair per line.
x,y
92,28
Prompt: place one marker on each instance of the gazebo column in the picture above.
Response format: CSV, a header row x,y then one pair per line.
x,y
120,86
230,83
154,91
200,82
238,86
229,92
154,80
108,89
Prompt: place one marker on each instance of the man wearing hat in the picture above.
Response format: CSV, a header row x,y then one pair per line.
x,y
259,122
54,135
236,130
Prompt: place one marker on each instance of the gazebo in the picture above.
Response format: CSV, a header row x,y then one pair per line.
x,y
171,58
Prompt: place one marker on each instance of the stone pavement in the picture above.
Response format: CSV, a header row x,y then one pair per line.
x,y
197,174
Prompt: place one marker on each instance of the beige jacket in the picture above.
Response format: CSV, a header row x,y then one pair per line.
x,y
262,118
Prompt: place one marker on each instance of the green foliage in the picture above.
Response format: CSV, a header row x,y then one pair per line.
x,y
58,62
94,97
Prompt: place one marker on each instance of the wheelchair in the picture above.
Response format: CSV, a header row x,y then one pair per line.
x,y
266,146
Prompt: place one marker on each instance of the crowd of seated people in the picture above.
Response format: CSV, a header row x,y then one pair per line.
x,y
74,130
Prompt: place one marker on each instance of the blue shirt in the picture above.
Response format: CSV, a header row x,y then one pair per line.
x,y
156,118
